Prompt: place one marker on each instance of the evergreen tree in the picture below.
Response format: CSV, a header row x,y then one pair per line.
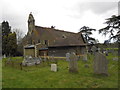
x,y
86,32
113,24
6,29
9,42
12,44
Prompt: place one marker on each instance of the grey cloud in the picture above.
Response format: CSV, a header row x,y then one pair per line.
x,y
99,7
16,20
119,8
96,7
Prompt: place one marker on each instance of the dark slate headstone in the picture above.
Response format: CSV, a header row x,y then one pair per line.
x,y
73,66
100,64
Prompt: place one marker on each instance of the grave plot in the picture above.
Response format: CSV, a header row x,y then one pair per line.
x,y
29,61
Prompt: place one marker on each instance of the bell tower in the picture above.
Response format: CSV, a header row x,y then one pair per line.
x,y
31,23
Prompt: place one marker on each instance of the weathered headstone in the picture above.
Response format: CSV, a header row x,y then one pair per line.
x,y
23,63
4,56
52,58
36,60
29,61
44,57
67,56
85,58
106,52
94,49
100,64
98,49
30,58
73,67
115,59
30,64
54,67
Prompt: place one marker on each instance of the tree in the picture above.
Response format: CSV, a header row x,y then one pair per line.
x,y
8,40
5,31
112,28
19,35
5,28
0,39
4,45
12,44
86,32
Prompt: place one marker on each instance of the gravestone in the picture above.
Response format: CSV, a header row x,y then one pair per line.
x,y
36,60
115,59
29,61
73,67
30,64
67,56
44,57
93,49
4,56
85,58
98,49
23,63
53,60
100,64
106,52
54,67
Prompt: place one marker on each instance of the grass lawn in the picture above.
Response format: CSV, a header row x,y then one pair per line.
x,y
0,74
42,77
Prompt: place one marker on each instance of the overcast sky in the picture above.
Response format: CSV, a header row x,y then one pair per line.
x,y
68,15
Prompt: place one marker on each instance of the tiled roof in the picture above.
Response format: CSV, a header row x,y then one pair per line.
x,y
59,37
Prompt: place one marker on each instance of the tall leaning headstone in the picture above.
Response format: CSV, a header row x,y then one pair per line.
x,y
100,64
73,66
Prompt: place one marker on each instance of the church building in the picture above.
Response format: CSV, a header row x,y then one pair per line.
x,y
44,41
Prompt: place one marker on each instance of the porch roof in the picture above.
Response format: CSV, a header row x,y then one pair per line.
x,y
29,46
43,48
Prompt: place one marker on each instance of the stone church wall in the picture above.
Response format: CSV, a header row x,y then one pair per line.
x,y
61,51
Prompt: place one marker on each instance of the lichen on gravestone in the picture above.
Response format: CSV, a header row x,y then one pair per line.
x,y
73,66
100,64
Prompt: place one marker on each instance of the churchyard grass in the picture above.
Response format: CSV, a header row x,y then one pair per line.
x,y
41,77
0,74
